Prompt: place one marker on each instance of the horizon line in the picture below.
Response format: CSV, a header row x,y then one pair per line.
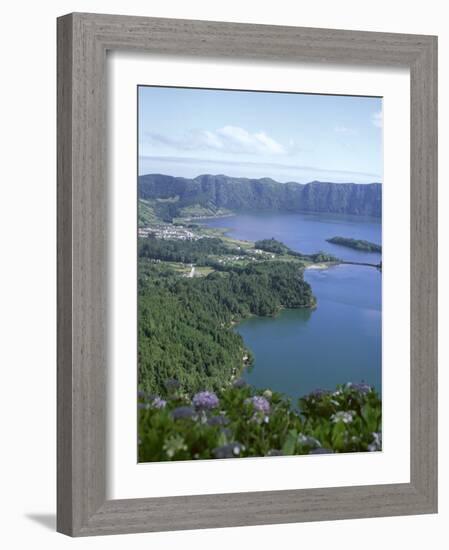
x,y
290,168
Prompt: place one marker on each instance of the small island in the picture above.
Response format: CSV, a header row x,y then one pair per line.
x,y
357,244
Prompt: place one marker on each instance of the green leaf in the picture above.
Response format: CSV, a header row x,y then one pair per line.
x,y
371,416
290,443
338,436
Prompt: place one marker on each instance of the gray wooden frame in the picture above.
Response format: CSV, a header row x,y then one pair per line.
x,y
83,40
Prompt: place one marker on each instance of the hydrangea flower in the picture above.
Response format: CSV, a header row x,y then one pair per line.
x,y
361,388
259,403
268,394
158,403
205,400
218,421
182,412
342,416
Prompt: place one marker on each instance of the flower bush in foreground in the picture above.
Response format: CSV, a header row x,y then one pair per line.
x,y
205,400
240,421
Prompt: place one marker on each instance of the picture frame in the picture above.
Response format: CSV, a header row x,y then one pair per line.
x,y
83,40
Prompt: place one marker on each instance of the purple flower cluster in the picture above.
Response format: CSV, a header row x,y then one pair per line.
x,y
182,412
218,421
158,403
205,400
260,404
361,388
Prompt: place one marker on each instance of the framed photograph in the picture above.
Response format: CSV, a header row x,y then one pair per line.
x,y
247,274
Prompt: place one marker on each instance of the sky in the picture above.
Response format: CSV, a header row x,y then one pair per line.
x,y
285,136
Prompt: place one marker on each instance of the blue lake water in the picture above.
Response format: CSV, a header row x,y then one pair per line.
x,y
305,232
339,341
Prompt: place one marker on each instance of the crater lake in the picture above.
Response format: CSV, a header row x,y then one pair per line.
x,y
340,341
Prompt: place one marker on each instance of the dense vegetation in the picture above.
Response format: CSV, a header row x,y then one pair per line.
x,y
357,244
185,323
185,251
208,194
238,421
146,214
277,247
272,245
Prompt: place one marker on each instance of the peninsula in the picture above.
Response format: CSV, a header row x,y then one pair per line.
x,y
356,244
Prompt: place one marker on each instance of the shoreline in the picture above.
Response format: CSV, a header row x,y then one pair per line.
x,y
226,233
335,215
321,265
219,216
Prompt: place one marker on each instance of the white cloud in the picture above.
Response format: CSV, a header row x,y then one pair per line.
x,y
238,139
377,119
211,140
270,143
229,139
